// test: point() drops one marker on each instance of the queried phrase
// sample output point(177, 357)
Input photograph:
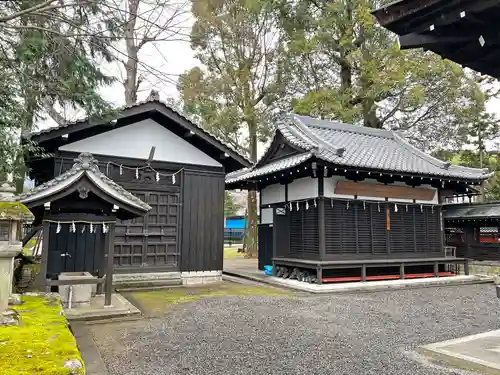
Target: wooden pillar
point(110, 242)
point(321, 216)
point(319, 274)
point(363, 272)
point(42, 277)
point(466, 267)
point(469, 239)
point(436, 269)
point(402, 271)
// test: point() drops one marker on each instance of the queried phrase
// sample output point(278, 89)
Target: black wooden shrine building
point(78, 211)
point(465, 32)
point(168, 162)
point(345, 200)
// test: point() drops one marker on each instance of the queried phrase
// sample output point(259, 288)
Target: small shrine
point(78, 212)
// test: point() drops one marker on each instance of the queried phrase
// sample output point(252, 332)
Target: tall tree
point(239, 80)
point(49, 49)
point(231, 207)
point(348, 68)
point(147, 25)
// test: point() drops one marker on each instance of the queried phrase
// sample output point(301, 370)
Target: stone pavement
point(479, 352)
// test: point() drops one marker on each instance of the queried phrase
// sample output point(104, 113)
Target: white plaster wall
point(135, 141)
point(266, 216)
point(272, 194)
point(303, 188)
point(331, 182)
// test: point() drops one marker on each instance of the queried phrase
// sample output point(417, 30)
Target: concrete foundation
point(488, 268)
point(78, 294)
point(156, 279)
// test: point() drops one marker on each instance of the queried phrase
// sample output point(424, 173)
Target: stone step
point(144, 284)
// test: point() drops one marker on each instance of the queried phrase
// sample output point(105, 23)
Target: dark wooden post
point(110, 242)
point(363, 272)
point(469, 239)
point(321, 216)
point(402, 271)
point(42, 277)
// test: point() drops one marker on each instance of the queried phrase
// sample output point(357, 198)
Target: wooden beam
point(42, 277)
point(428, 41)
point(110, 241)
point(383, 191)
point(321, 217)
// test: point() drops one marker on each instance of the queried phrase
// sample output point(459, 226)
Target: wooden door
point(150, 242)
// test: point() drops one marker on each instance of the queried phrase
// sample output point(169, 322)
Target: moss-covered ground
point(232, 252)
point(41, 344)
point(161, 300)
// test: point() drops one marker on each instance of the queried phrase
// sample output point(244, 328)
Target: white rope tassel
point(307, 205)
point(58, 228)
point(395, 207)
point(157, 177)
point(73, 227)
point(297, 206)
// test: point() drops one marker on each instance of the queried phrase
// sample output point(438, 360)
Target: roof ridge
point(339, 151)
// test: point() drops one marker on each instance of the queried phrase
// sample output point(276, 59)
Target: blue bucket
point(268, 270)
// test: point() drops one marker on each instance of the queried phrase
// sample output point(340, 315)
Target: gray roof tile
point(472, 211)
point(361, 147)
point(85, 163)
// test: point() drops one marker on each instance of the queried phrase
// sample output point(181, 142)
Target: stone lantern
point(11, 214)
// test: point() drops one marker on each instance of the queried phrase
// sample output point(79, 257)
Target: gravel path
point(372, 333)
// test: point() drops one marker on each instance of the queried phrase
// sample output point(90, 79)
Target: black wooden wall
point(358, 230)
point(202, 236)
point(199, 215)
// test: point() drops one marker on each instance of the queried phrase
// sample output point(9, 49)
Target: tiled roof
point(84, 164)
point(272, 167)
point(174, 109)
point(359, 147)
point(472, 211)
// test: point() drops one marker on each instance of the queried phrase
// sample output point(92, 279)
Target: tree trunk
point(130, 83)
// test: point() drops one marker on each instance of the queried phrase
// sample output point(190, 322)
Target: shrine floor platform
point(247, 269)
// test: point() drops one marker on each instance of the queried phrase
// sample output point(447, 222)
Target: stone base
point(9, 318)
point(486, 268)
point(15, 299)
point(80, 293)
point(201, 277)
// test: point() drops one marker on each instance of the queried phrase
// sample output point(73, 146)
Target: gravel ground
point(372, 333)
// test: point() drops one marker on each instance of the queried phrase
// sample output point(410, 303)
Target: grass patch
point(232, 252)
point(160, 300)
point(41, 344)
